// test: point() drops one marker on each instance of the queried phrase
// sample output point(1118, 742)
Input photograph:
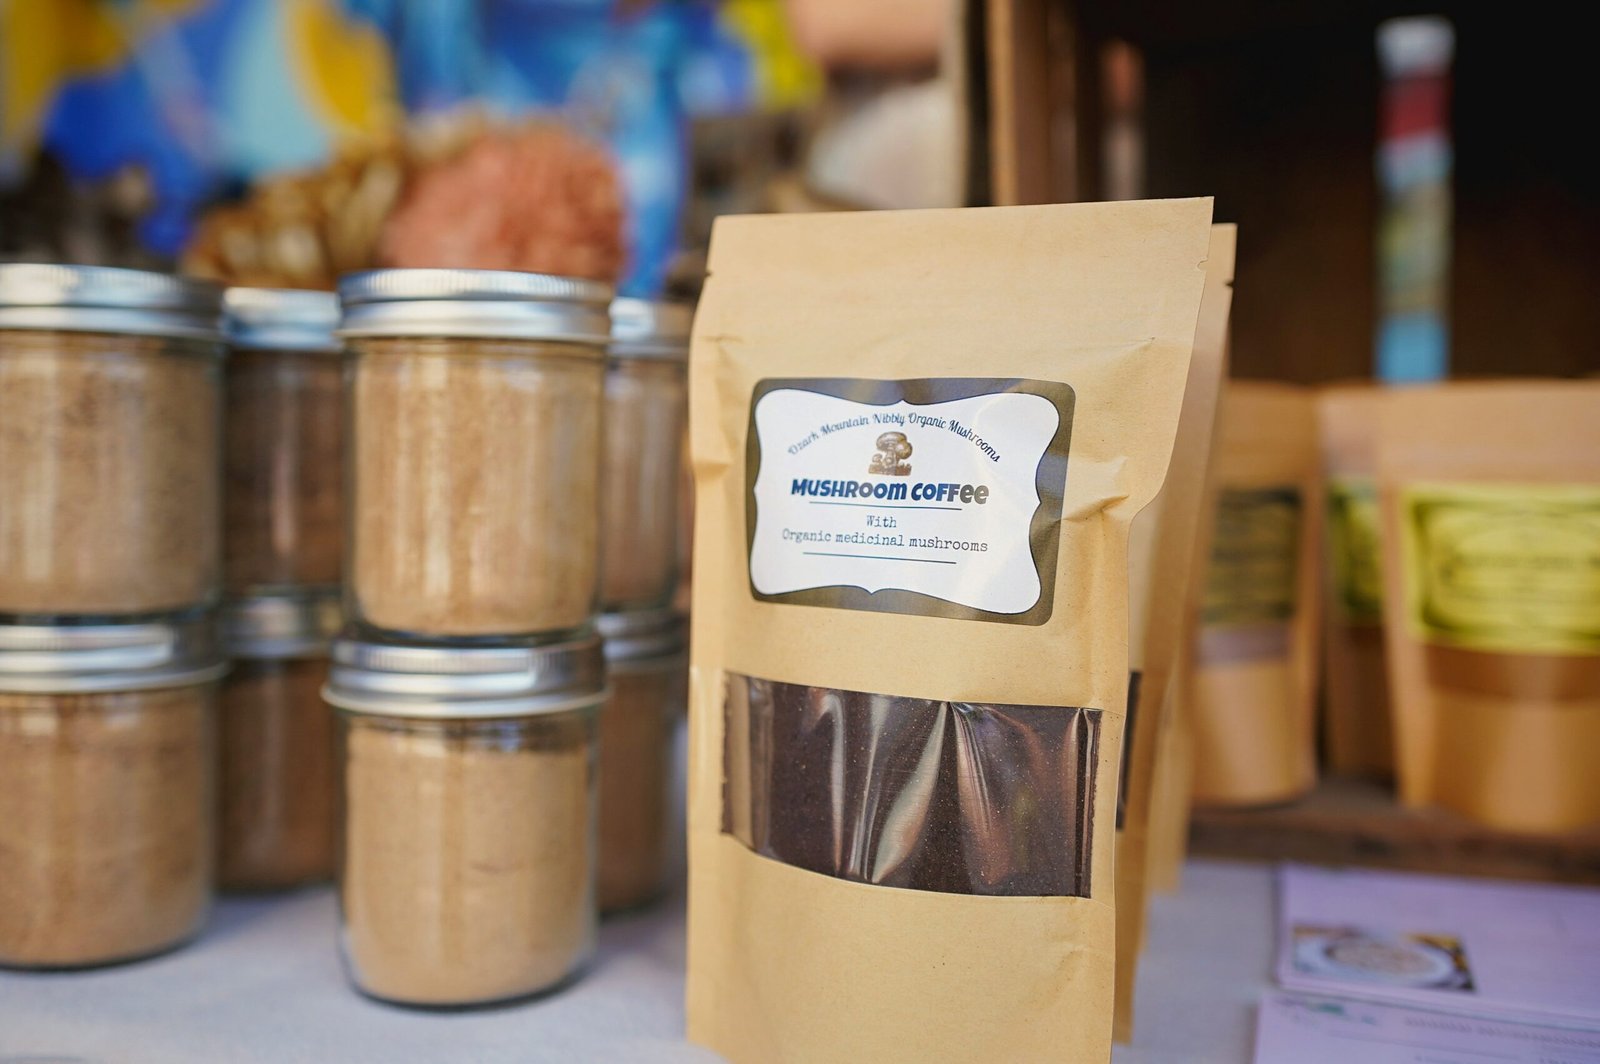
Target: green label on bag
point(1254, 560)
point(1353, 547)
point(1507, 568)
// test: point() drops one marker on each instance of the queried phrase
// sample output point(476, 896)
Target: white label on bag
point(865, 497)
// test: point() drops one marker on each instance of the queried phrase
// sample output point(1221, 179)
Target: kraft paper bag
point(1173, 791)
point(1490, 499)
point(919, 439)
point(1162, 558)
point(1356, 729)
point(1255, 676)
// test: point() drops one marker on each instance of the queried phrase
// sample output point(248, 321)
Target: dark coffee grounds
point(955, 797)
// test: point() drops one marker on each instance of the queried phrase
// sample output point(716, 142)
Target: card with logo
point(1518, 950)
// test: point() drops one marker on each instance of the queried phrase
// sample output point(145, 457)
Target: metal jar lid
point(643, 637)
point(406, 680)
point(136, 656)
point(281, 319)
point(475, 303)
point(107, 299)
point(644, 329)
point(290, 625)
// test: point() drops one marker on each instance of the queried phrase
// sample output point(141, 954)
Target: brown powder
point(277, 787)
point(645, 407)
point(109, 472)
point(476, 505)
point(636, 726)
point(283, 510)
point(955, 797)
point(105, 824)
point(468, 860)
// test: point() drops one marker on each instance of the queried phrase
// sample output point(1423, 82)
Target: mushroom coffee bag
point(1166, 546)
point(919, 439)
point(1490, 502)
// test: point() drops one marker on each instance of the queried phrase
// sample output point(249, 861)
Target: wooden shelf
point(1358, 822)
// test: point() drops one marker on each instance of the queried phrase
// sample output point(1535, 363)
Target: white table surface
point(264, 984)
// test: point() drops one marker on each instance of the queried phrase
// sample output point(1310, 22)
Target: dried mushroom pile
point(534, 197)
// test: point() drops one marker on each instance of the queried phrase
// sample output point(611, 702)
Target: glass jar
point(467, 867)
point(649, 686)
point(475, 401)
point(277, 784)
point(109, 460)
point(283, 503)
point(106, 763)
point(646, 407)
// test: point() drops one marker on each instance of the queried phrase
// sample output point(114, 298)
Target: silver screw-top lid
point(108, 299)
point(475, 303)
point(87, 658)
point(406, 680)
point(641, 328)
point(291, 625)
point(281, 319)
point(643, 637)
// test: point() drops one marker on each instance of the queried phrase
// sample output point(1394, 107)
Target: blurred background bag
point(1491, 511)
point(1255, 677)
point(1356, 730)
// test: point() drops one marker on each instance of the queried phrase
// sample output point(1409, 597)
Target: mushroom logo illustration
point(890, 461)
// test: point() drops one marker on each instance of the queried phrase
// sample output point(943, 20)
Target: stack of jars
point(471, 681)
point(282, 551)
point(646, 410)
point(110, 395)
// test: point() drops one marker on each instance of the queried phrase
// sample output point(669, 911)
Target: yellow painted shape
point(787, 77)
point(345, 65)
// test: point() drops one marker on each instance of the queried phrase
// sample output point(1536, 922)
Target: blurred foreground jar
point(283, 508)
point(648, 668)
point(109, 457)
point(277, 800)
point(106, 763)
point(646, 406)
point(475, 451)
point(467, 871)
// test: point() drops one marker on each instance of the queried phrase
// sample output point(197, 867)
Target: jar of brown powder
point(467, 871)
point(106, 761)
point(109, 459)
point(649, 679)
point(283, 503)
point(277, 800)
point(475, 399)
point(645, 411)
